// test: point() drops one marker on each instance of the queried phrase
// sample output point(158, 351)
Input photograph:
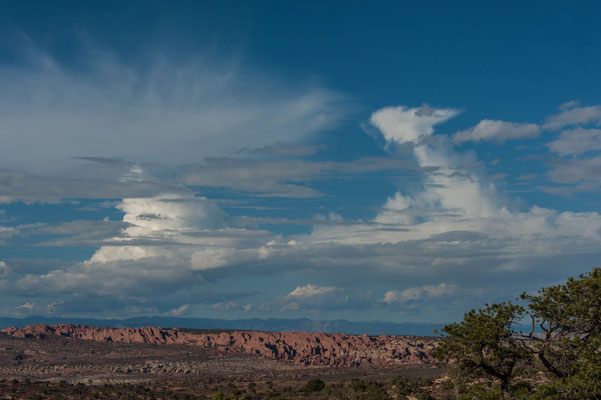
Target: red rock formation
point(299, 348)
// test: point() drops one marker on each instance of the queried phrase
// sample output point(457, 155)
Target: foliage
point(358, 385)
point(410, 386)
point(482, 346)
point(369, 389)
point(424, 396)
point(489, 359)
point(314, 385)
point(569, 316)
point(220, 396)
point(482, 392)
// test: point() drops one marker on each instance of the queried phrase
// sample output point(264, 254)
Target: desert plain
point(73, 361)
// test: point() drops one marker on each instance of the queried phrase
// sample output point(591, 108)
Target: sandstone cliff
point(299, 348)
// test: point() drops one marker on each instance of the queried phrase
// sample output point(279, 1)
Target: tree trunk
point(505, 390)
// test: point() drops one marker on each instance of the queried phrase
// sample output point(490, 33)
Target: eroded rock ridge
point(298, 348)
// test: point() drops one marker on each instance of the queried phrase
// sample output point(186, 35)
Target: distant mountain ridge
point(253, 324)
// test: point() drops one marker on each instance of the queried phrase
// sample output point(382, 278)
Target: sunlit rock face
point(299, 348)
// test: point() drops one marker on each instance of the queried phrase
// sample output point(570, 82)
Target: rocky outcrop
point(298, 348)
point(146, 334)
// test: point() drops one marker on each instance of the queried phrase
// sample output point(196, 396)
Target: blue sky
point(401, 161)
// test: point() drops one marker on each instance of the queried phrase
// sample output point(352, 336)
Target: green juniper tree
point(488, 354)
point(483, 345)
point(569, 317)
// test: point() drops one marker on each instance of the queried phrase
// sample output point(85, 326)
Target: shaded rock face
point(298, 348)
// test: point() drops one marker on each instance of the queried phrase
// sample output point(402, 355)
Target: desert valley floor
point(68, 361)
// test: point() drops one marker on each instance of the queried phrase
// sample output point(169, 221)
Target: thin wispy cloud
point(499, 131)
point(163, 111)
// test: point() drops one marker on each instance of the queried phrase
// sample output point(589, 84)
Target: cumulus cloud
point(53, 307)
point(5, 271)
point(457, 224)
point(418, 293)
point(168, 241)
point(403, 124)
point(452, 225)
point(319, 299)
point(310, 290)
point(572, 114)
point(580, 168)
point(170, 213)
point(573, 171)
point(7, 231)
point(498, 131)
point(179, 310)
point(576, 141)
point(179, 229)
point(471, 201)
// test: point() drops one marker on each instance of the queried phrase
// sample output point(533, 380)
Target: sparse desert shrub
point(410, 386)
point(424, 395)
point(314, 385)
point(358, 385)
point(406, 385)
point(482, 392)
point(376, 392)
point(221, 396)
point(369, 390)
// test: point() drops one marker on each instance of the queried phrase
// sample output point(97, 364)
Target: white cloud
point(102, 179)
point(19, 185)
point(576, 141)
point(402, 124)
point(568, 105)
point(179, 310)
point(227, 306)
point(27, 306)
point(418, 293)
point(7, 232)
point(169, 241)
point(456, 197)
point(170, 213)
point(455, 227)
point(279, 177)
point(51, 308)
point(580, 146)
point(279, 149)
point(5, 270)
point(572, 114)
point(163, 111)
point(456, 221)
point(317, 298)
point(310, 290)
point(575, 171)
point(499, 131)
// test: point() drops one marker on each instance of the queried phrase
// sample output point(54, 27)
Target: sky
point(397, 161)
